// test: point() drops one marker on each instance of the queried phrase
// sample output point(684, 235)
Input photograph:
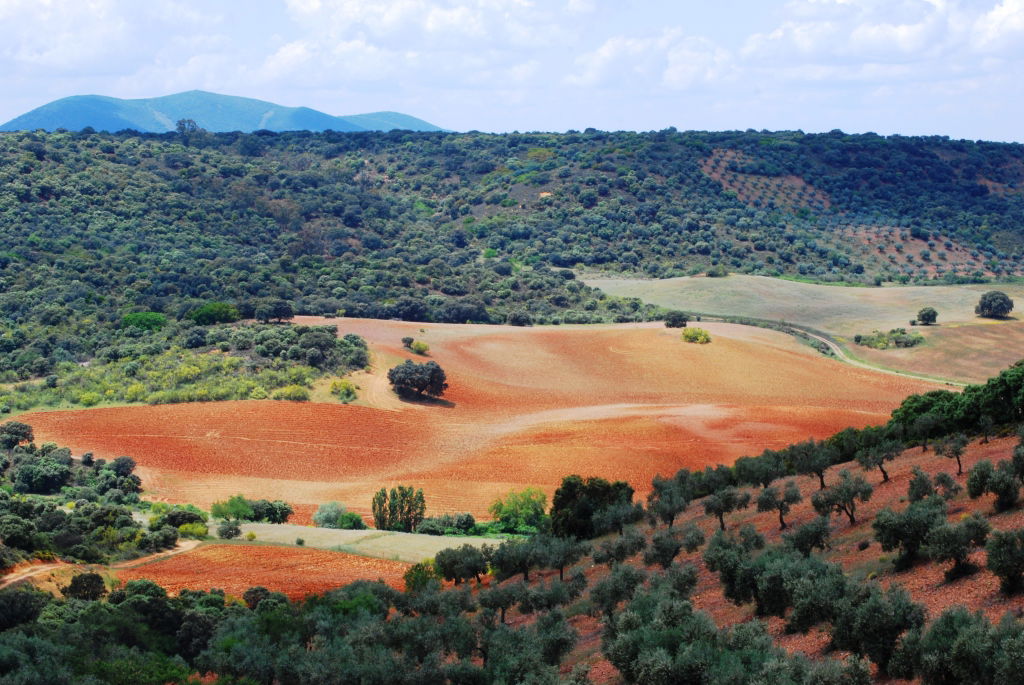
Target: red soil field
point(294, 571)
point(526, 406)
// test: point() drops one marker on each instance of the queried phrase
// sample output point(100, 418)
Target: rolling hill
point(211, 111)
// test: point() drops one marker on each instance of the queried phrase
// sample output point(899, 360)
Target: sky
point(914, 67)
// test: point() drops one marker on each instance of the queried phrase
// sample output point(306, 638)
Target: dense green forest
point(466, 227)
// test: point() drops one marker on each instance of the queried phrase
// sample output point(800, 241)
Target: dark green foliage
point(578, 505)
point(1002, 481)
point(215, 312)
point(952, 447)
point(558, 553)
point(240, 508)
point(334, 515)
point(771, 499)
point(760, 470)
point(461, 563)
point(14, 433)
point(665, 546)
point(422, 575)
point(994, 304)
point(961, 647)
point(812, 457)
point(876, 456)
point(668, 498)
point(447, 524)
point(842, 497)
point(675, 319)
point(401, 508)
point(21, 605)
point(620, 548)
point(615, 588)
point(949, 542)
point(908, 530)
point(692, 537)
point(725, 501)
point(410, 379)
point(516, 556)
point(502, 597)
point(228, 529)
point(87, 586)
point(810, 536)
point(921, 486)
point(1005, 550)
point(871, 621)
point(927, 316)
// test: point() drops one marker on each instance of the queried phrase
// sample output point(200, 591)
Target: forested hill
point(475, 227)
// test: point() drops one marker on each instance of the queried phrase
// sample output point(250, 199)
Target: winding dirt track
point(526, 406)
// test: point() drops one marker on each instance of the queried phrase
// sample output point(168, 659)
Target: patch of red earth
point(294, 571)
point(525, 408)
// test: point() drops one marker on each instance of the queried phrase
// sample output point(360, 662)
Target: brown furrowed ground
point(526, 407)
point(294, 571)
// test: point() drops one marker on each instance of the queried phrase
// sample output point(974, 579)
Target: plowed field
point(295, 571)
point(526, 406)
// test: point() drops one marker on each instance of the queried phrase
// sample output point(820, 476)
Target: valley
point(526, 407)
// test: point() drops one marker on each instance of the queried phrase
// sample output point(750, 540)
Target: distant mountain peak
point(212, 111)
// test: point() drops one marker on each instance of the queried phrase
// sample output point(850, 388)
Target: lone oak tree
point(417, 380)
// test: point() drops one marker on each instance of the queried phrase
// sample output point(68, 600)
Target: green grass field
point(962, 347)
point(409, 547)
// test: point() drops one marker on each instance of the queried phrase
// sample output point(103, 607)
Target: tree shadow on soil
point(428, 401)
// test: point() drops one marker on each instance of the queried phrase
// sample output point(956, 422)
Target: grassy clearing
point(408, 547)
point(963, 347)
point(834, 309)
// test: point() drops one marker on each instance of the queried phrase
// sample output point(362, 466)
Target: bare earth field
point(526, 407)
point(962, 347)
point(294, 571)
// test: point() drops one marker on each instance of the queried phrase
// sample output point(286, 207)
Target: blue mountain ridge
point(211, 111)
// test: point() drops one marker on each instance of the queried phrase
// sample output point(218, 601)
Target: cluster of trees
point(896, 337)
point(52, 505)
point(108, 233)
point(170, 363)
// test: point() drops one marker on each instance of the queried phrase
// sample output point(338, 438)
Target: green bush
point(147, 321)
point(292, 393)
point(696, 335)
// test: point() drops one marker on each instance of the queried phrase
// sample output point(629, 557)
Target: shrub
point(420, 576)
point(1005, 551)
point(908, 530)
point(228, 529)
point(199, 531)
point(292, 393)
point(696, 335)
point(419, 347)
point(521, 512)
point(948, 542)
point(344, 390)
point(250, 536)
point(85, 586)
point(334, 515)
point(675, 319)
point(1001, 481)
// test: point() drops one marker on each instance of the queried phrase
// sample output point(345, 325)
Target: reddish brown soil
point(295, 571)
point(525, 408)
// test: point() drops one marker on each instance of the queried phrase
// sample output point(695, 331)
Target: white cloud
point(671, 59)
